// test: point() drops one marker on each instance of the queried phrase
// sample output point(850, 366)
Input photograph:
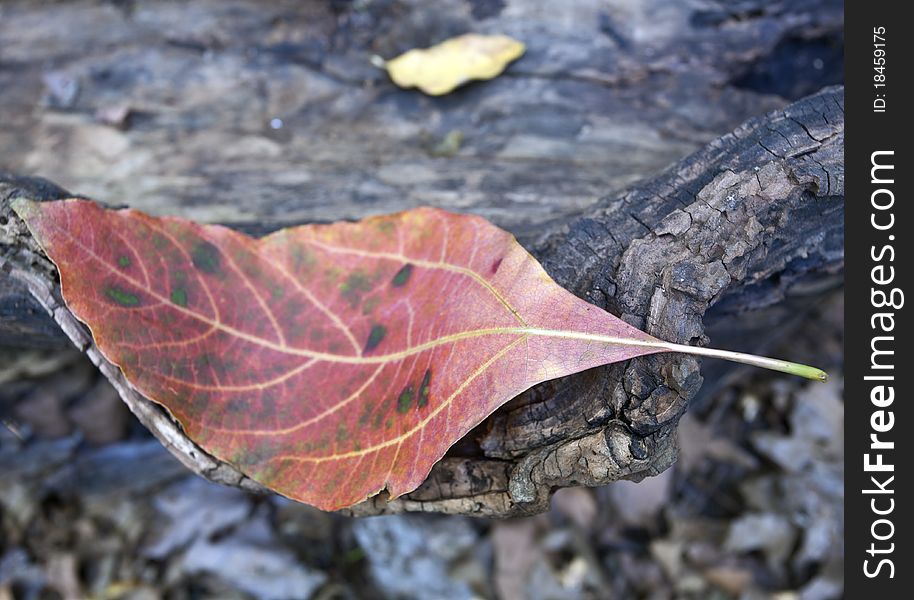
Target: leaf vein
point(420, 425)
point(268, 312)
point(427, 264)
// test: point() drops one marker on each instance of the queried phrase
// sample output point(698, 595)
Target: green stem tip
point(764, 362)
point(774, 364)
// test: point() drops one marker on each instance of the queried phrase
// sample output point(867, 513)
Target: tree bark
point(739, 238)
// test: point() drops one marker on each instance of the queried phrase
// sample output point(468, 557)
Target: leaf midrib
point(380, 358)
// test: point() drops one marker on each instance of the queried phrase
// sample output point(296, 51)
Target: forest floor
point(752, 509)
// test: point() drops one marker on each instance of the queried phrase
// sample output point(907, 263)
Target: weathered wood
point(172, 107)
point(752, 219)
point(169, 107)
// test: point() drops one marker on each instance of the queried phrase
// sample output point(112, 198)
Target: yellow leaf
point(440, 69)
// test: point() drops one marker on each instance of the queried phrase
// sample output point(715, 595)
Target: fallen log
point(739, 238)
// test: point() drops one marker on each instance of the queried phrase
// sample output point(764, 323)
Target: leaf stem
point(750, 359)
point(774, 364)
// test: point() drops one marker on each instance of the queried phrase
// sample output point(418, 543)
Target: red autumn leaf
point(326, 362)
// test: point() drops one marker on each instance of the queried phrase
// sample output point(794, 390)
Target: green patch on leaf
point(405, 400)
point(121, 297)
point(424, 389)
point(402, 275)
point(179, 296)
point(206, 257)
point(375, 337)
point(355, 286)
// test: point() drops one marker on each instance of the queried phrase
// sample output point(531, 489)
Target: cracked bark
point(731, 241)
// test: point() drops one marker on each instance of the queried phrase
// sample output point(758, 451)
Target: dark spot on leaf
point(402, 275)
point(121, 297)
point(374, 338)
point(365, 416)
point(355, 286)
point(179, 296)
point(424, 389)
point(357, 446)
point(206, 257)
point(405, 400)
point(495, 266)
point(389, 424)
point(316, 335)
point(236, 406)
point(378, 418)
point(123, 261)
point(341, 434)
